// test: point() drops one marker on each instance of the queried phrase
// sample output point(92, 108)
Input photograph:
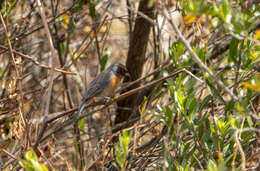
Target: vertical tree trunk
point(136, 57)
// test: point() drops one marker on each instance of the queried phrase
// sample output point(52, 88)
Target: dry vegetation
point(192, 103)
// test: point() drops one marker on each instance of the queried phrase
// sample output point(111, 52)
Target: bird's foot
point(107, 100)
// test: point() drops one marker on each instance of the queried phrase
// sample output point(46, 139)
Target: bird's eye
point(120, 70)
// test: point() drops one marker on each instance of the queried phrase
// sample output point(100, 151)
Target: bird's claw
point(107, 100)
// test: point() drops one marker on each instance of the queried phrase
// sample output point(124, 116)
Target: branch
point(51, 77)
point(122, 96)
point(18, 76)
point(197, 59)
point(243, 158)
point(37, 62)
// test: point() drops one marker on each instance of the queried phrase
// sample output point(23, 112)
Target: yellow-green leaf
point(257, 34)
point(65, 19)
point(255, 87)
point(143, 108)
point(188, 19)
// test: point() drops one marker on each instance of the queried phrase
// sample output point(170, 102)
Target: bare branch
point(196, 58)
point(51, 76)
point(37, 62)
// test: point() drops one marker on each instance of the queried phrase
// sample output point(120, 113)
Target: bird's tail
point(81, 107)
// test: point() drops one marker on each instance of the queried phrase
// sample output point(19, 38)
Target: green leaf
point(180, 97)
point(25, 164)
point(150, 3)
point(229, 107)
point(31, 163)
point(189, 86)
point(204, 103)
point(104, 59)
point(249, 121)
point(233, 50)
point(92, 10)
point(37, 166)
point(30, 155)
point(121, 150)
point(7, 7)
point(81, 124)
point(240, 107)
point(73, 158)
point(212, 166)
point(168, 115)
point(78, 5)
point(176, 51)
point(215, 93)
point(201, 130)
point(201, 52)
point(192, 102)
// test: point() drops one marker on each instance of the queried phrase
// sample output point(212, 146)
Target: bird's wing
point(97, 86)
point(80, 109)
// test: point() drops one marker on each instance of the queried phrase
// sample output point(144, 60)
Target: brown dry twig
point(196, 58)
point(122, 96)
point(52, 118)
point(133, 91)
point(37, 62)
point(18, 76)
point(51, 76)
point(237, 133)
point(9, 154)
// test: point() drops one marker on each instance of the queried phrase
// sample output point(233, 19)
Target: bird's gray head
point(120, 69)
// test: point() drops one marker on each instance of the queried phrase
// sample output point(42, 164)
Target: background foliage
point(182, 118)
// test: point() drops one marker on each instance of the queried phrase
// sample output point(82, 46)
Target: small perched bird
point(104, 85)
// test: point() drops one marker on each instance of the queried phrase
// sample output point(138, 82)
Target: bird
point(104, 85)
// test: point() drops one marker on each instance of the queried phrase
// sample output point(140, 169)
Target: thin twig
point(237, 147)
point(51, 76)
point(37, 62)
point(9, 154)
point(122, 96)
point(237, 133)
point(101, 102)
point(41, 26)
point(194, 76)
point(155, 71)
point(196, 58)
point(133, 91)
point(254, 113)
point(89, 43)
point(60, 56)
point(97, 43)
point(18, 77)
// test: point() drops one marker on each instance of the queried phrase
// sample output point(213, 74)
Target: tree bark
point(136, 58)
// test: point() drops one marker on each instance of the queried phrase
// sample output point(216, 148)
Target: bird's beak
point(127, 76)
